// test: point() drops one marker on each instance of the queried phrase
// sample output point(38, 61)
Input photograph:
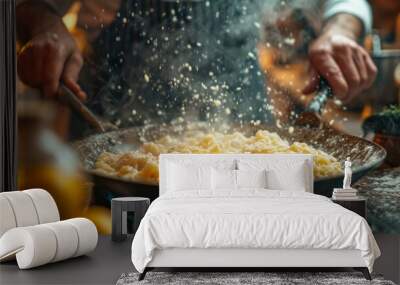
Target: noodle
point(142, 165)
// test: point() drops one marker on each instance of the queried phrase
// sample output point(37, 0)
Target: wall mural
point(107, 87)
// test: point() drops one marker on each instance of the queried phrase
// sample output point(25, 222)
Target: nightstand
point(357, 205)
point(120, 209)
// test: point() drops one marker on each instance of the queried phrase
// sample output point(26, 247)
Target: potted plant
point(386, 127)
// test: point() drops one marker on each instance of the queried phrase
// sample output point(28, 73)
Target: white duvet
point(250, 219)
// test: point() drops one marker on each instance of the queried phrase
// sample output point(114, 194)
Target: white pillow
point(251, 178)
point(224, 179)
point(282, 174)
point(188, 177)
point(294, 179)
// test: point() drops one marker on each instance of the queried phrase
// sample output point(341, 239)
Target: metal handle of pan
point(312, 114)
point(319, 101)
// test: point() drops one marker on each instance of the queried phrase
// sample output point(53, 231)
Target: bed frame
point(238, 259)
point(249, 259)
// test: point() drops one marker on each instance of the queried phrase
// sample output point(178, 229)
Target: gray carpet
point(232, 278)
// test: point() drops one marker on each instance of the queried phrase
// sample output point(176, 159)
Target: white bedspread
point(250, 219)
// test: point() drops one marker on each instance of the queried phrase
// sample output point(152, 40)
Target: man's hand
point(49, 56)
point(337, 57)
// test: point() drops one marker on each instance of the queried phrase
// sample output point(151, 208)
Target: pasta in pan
point(142, 165)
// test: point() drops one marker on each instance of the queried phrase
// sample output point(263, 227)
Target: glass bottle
point(44, 161)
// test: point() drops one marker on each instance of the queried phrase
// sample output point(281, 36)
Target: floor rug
point(244, 278)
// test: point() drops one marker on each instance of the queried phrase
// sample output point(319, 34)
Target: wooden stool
point(120, 207)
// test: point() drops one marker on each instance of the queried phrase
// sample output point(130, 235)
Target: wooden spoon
point(70, 98)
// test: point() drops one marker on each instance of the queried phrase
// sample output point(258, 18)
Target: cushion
point(189, 161)
point(45, 205)
point(251, 178)
point(67, 238)
point(223, 179)
point(23, 208)
point(26, 208)
point(7, 218)
point(40, 244)
point(293, 180)
point(188, 177)
point(87, 234)
point(32, 246)
point(282, 174)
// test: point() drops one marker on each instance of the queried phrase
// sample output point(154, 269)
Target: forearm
point(344, 24)
point(35, 17)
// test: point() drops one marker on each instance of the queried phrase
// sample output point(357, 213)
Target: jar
point(44, 161)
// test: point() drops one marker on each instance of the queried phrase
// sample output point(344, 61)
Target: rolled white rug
point(41, 244)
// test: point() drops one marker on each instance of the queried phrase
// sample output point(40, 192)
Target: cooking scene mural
point(106, 86)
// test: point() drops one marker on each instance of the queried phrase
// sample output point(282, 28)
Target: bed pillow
point(188, 177)
point(251, 179)
point(294, 179)
point(223, 179)
point(282, 174)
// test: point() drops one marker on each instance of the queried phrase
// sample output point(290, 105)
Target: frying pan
point(364, 154)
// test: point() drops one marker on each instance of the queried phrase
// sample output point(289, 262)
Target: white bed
point(249, 227)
